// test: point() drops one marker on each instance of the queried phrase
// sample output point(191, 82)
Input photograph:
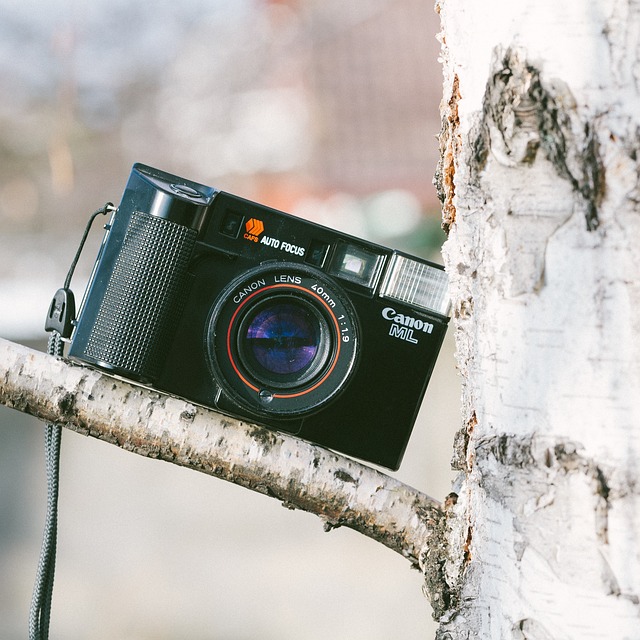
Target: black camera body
point(263, 316)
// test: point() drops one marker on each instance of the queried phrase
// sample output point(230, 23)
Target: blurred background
point(321, 108)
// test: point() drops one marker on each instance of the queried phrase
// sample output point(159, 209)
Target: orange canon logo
point(254, 227)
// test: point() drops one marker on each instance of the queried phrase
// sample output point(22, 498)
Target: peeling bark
point(339, 490)
point(444, 179)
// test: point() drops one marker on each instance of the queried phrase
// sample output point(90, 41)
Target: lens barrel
point(282, 340)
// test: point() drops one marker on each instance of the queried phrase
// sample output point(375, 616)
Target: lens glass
point(283, 338)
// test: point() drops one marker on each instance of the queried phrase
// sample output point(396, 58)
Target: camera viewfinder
point(356, 264)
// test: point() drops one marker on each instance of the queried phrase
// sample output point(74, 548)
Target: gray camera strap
point(60, 324)
point(43, 588)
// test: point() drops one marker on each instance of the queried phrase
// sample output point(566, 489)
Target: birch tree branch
point(340, 491)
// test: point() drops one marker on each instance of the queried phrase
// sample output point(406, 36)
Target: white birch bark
point(540, 187)
point(341, 491)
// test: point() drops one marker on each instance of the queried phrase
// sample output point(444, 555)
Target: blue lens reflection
point(283, 338)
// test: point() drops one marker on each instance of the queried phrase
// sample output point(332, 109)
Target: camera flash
point(417, 284)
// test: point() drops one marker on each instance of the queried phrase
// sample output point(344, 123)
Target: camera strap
point(59, 322)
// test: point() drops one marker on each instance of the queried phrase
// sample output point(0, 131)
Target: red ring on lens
point(283, 286)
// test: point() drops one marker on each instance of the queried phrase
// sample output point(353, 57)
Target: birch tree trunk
point(540, 190)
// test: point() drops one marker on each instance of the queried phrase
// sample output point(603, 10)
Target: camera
point(263, 316)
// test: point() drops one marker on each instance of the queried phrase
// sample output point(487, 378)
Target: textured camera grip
point(144, 297)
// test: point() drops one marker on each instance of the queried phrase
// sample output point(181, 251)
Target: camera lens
point(283, 338)
point(283, 341)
